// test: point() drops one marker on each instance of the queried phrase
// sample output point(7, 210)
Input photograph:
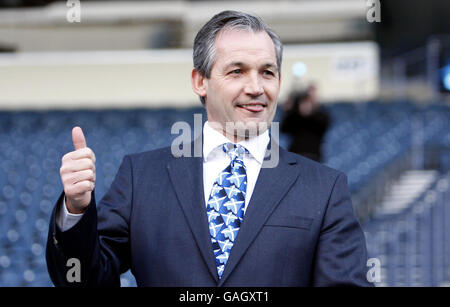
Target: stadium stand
point(413, 243)
point(364, 139)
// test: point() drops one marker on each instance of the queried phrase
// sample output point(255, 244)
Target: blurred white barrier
point(155, 78)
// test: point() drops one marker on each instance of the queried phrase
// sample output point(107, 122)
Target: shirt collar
point(256, 146)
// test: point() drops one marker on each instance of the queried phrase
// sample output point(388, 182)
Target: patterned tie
point(225, 205)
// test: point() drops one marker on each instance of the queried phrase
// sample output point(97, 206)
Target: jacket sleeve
point(341, 255)
point(99, 242)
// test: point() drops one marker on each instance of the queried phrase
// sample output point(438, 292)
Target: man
point(223, 219)
point(307, 123)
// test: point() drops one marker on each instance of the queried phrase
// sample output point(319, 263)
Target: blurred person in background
point(222, 218)
point(306, 121)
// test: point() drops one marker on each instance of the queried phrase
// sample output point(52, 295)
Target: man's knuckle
point(65, 177)
point(86, 186)
point(68, 190)
point(91, 165)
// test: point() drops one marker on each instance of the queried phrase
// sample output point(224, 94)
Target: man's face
point(244, 83)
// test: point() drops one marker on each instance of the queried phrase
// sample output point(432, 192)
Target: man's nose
point(253, 86)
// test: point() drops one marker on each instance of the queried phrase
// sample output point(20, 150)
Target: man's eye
point(236, 71)
point(268, 72)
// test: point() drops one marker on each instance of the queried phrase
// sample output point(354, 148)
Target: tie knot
point(234, 151)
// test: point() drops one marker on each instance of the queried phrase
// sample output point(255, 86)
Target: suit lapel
point(271, 186)
point(186, 174)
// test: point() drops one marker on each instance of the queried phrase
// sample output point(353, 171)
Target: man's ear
point(199, 83)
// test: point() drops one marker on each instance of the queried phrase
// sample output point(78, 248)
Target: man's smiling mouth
point(252, 106)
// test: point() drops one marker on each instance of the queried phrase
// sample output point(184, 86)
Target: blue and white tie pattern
point(226, 204)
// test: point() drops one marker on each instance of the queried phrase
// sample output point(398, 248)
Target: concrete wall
point(122, 79)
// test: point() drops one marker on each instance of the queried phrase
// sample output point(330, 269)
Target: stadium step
point(411, 185)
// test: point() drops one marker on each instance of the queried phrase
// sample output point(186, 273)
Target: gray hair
point(204, 51)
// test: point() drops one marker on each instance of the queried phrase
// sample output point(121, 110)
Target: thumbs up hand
point(78, 173)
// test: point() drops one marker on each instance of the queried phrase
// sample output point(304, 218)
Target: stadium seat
point(362, 141)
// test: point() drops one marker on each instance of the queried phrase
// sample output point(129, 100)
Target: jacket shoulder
point(151, 156)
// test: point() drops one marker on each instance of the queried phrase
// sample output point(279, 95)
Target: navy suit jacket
point(299, 229)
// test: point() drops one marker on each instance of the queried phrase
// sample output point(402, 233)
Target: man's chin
point(246, 129)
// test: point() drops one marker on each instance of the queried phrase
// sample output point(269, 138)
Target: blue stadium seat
point(363, 140)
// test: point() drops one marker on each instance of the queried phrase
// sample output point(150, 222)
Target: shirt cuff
point(66, 220)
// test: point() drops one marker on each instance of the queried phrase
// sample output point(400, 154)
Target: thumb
point(78, 138)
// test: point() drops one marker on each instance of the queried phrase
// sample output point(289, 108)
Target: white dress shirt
point(215, 160)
